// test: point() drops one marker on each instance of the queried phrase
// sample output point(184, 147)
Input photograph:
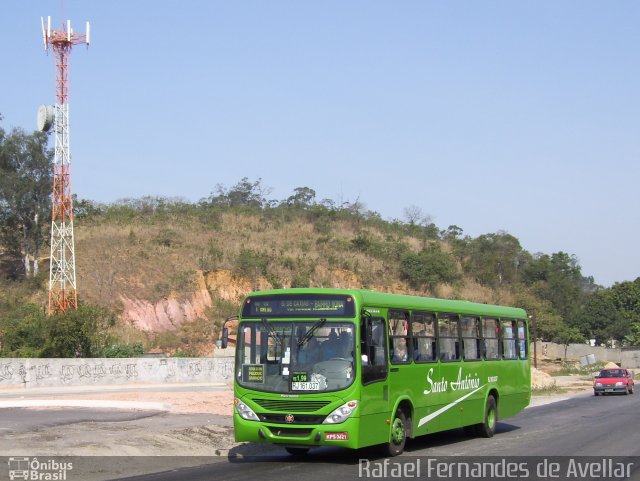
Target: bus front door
point(374, 399)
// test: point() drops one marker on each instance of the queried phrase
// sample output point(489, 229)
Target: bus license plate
point(336, 436)
point(305, 386)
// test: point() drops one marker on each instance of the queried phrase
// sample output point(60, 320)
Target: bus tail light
point(342, 413)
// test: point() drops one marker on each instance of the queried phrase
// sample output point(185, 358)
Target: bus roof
point(382, 299)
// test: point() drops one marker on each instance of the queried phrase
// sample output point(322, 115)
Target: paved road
point(581, 426)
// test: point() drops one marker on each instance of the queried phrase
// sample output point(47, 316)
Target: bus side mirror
point(225, 338)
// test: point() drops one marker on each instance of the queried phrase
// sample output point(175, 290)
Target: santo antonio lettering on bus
point(459, 384)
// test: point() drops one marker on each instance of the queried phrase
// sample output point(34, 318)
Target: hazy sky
point(492, 115)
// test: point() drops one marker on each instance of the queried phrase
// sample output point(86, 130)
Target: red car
point(613, 380)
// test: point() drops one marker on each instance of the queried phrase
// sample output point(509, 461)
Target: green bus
point(355, 368)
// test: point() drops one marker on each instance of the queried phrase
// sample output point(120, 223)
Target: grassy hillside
point(160, 255)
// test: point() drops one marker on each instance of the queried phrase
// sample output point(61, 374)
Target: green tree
point(23, 331)
point(302, 197)
point(244, 194)
point(599, 318)
point(547, 321)
point(494, 259)
point(452, 233)
point(82, 332)
point(611, 314)
point(633, 338)
point(428, 268)
point(25, 188)
point(558, 279)
point(626, 297)
point(568, 335)
point(251, 264)
point(86, 208)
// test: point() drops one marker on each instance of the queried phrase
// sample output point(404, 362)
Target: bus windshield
point(295, 356)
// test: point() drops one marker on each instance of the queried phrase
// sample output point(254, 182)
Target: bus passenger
point(400, 350)
point(422, 349)
point(330, 347)
point(345, 348)
point(310, 353)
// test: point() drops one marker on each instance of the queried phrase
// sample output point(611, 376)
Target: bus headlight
point(244, 411)
point(342, 413)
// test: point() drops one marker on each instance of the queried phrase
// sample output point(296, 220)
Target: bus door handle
point(395, 369)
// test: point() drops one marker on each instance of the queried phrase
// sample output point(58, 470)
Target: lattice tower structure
point(63, 293)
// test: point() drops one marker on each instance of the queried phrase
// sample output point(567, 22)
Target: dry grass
point(152, 258)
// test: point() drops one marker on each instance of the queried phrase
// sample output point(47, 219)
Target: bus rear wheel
point(398, 434)
point(487, 428)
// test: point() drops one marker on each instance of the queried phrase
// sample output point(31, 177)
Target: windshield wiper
point(309, 334)
point(272, 331)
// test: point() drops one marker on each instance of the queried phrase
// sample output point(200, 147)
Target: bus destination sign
point(313, 305)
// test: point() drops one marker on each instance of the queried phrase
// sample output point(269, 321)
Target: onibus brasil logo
point(35, 470)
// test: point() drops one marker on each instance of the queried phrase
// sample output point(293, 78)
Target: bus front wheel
point(398, 434)
point(487, 428)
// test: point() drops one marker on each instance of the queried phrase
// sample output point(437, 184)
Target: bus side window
point(490, 336)
point(423, 327)
point(509, 339)
point(448, 340)
point(522, 340)
point(399, 344)
point(471, 337)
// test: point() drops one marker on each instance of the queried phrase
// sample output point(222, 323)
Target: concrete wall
point(627, 357)
point(31, 373)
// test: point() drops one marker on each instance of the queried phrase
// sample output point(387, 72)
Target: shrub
point(76, 333)
point(428, 268)
point(251, 263)
point(167, 238)
point(123, 350)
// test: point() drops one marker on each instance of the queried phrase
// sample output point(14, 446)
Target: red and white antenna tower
point(63, 293)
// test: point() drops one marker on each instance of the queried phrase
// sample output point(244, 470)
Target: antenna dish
point(88, 34)
point(45, 118)
point(69, 30)
point(49, 27)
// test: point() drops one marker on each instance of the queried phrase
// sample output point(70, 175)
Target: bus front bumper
point(343, 435)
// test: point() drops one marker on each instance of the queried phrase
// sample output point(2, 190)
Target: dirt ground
point(192, 402)
point(198, 423)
